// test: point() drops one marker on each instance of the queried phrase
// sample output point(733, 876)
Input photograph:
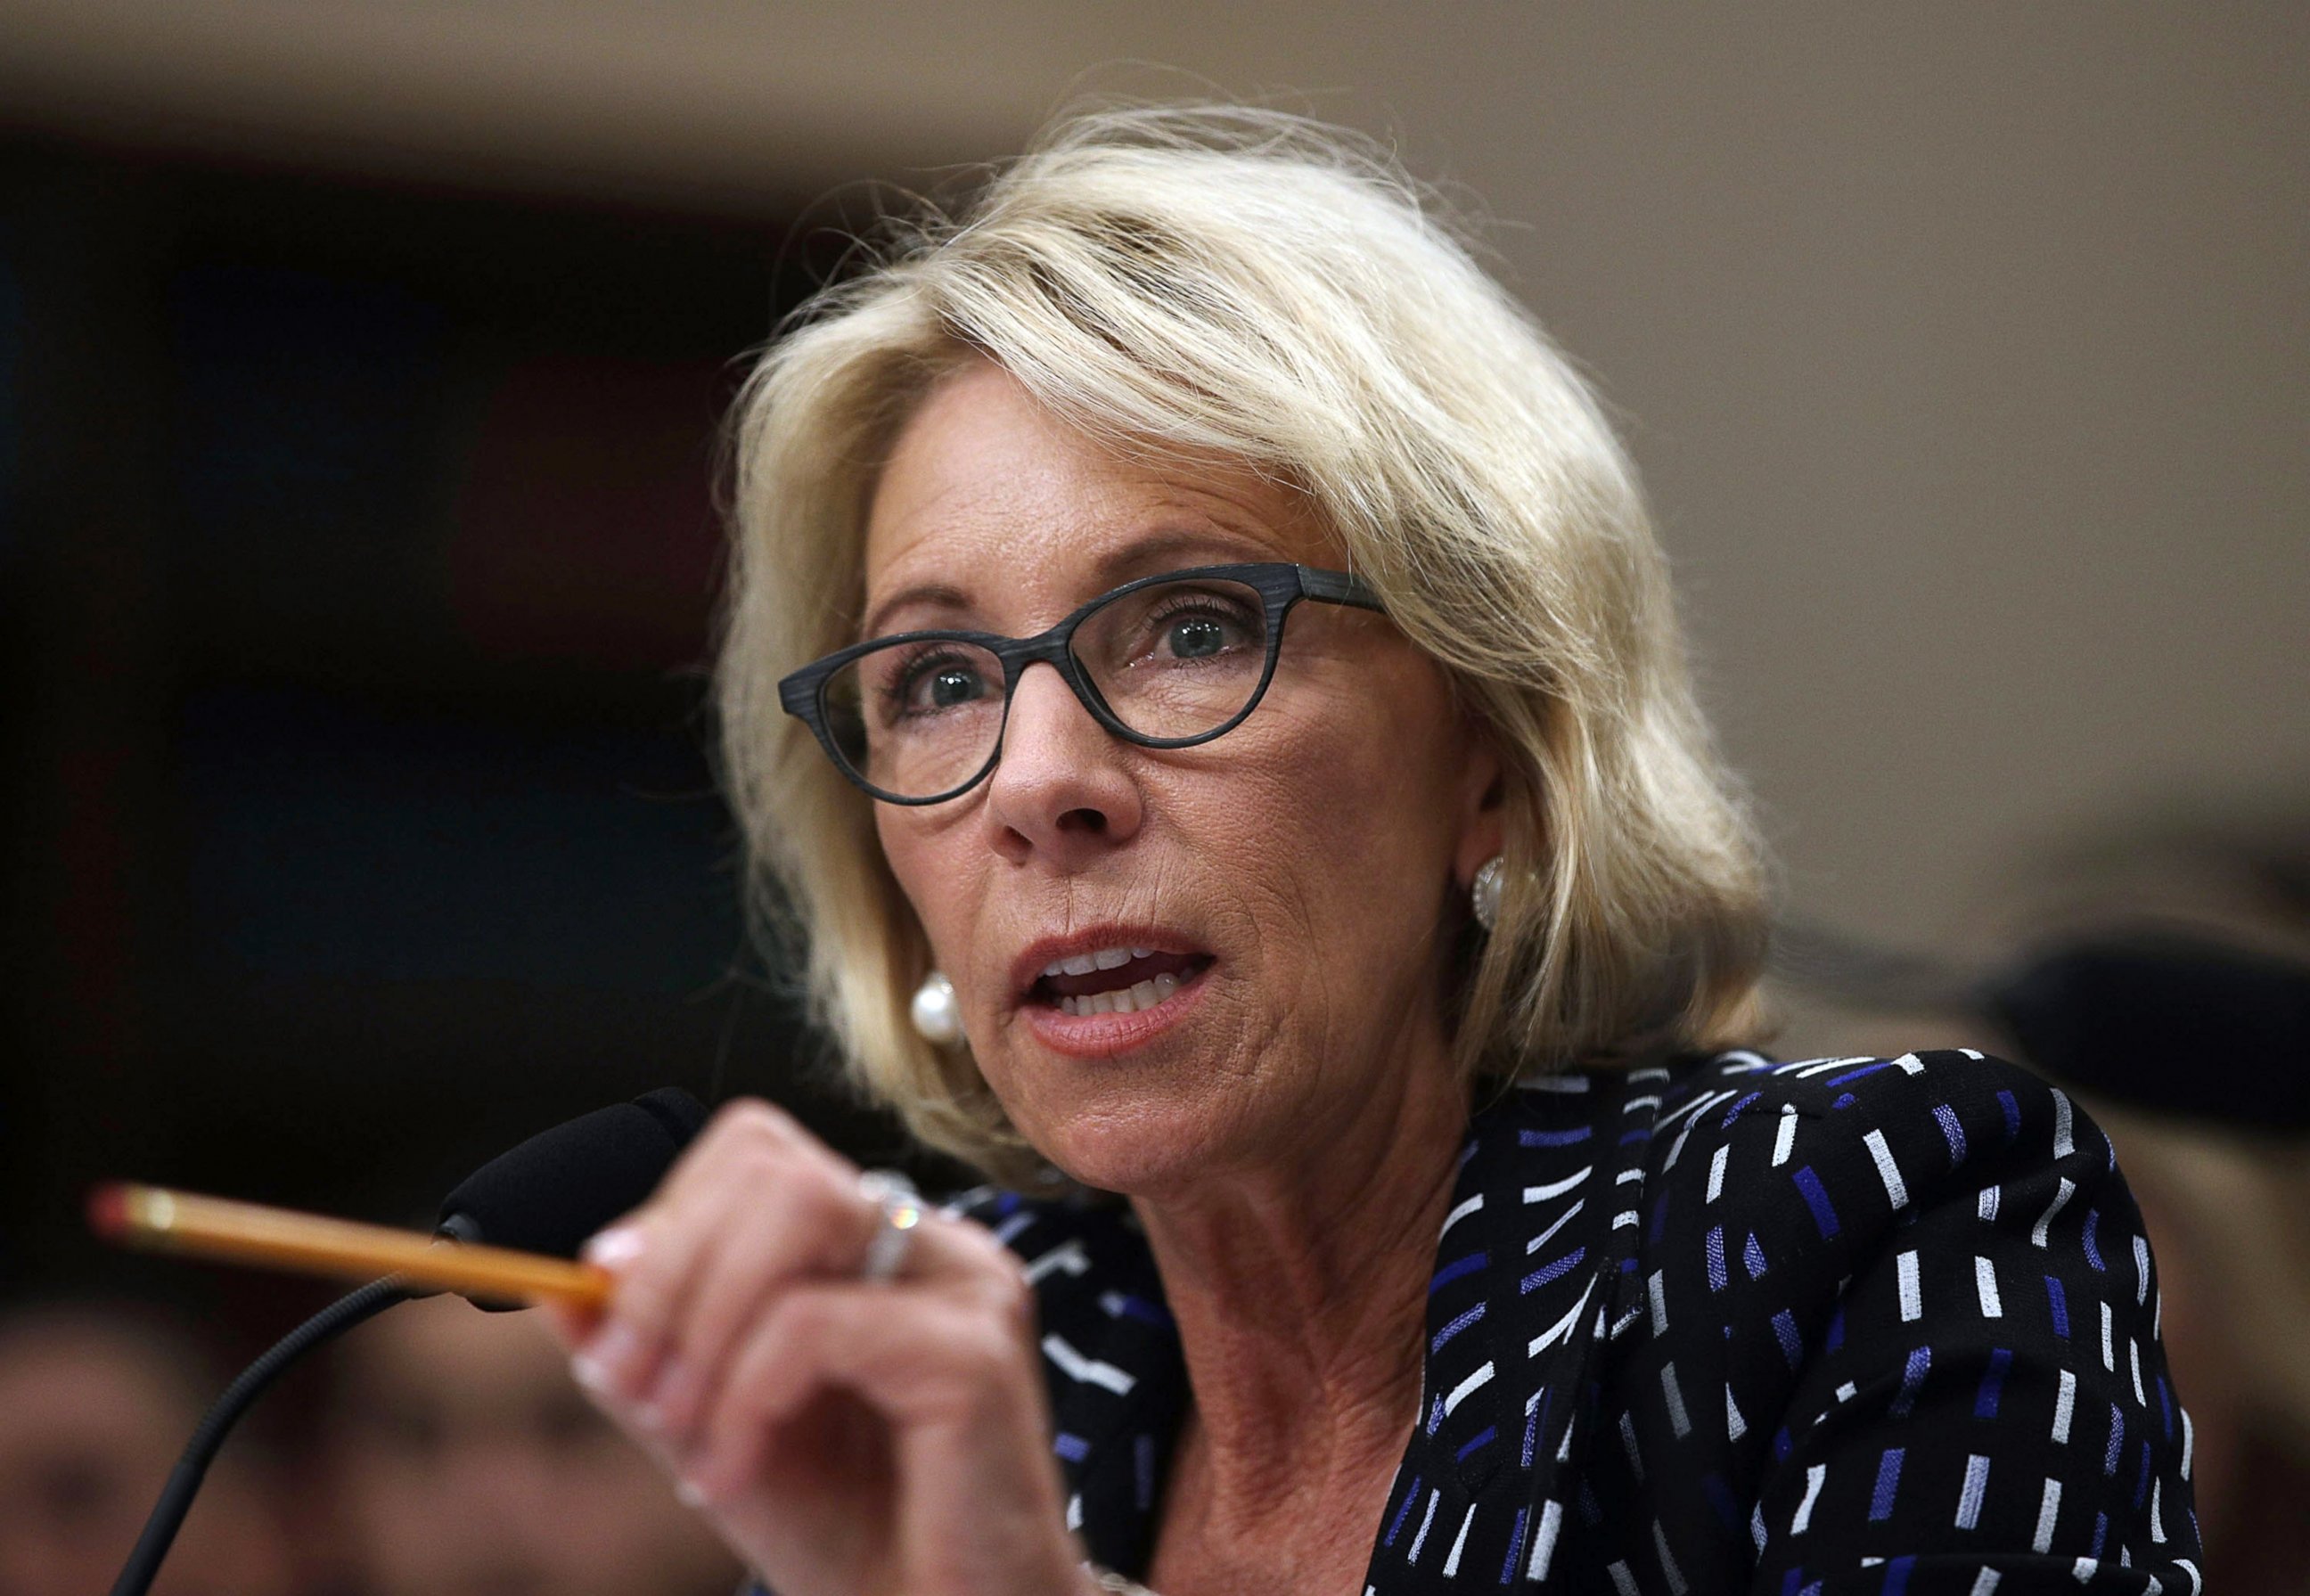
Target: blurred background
point(360, 372)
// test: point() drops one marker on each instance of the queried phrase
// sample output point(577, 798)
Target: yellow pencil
point(162, 1221)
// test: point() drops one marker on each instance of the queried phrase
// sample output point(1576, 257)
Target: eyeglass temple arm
point(1337, 587)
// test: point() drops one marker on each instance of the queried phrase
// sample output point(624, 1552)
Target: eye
point(938, 682)
point(1199, 626)
point(1196, 636)
point(1174, 631)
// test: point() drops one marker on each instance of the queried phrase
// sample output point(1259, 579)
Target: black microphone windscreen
point(2174, 1023)
point(561, 1185)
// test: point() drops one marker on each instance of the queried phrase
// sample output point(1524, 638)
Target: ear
point(1482, 806)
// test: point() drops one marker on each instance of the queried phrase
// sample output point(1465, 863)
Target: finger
point(762, 1245)
point(920, 1357)
point(758, 1203)
point(570, 1323)
point(657, 1251)
point(950, 1247)
point(757, 1200)
point(820, 1216)
point(628, 1416)
point(742, 1120)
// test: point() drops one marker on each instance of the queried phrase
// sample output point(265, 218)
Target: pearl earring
point(1484, 895)
point(937, 1012)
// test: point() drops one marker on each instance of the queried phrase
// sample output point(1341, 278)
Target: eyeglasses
point(1165, 662)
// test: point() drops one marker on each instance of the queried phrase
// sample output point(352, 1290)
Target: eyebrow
point(938, 594)
point(1142, 557)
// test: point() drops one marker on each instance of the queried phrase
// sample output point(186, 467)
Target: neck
point(1300, 1292)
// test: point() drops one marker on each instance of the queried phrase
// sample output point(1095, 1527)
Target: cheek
point(1370, 783)
point(1348, 821)
point(932, 865)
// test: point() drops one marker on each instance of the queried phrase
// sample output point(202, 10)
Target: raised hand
point(845, 1435)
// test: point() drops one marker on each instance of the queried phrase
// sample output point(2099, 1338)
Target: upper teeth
point(1105, 959)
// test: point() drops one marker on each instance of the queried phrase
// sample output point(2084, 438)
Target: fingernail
point(615, 1247)
point(607, 1356)
point(669, 1397)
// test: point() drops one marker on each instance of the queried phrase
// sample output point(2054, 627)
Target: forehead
point(989, 497)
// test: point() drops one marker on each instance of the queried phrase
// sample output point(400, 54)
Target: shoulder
point(1949, 1109)
point(1815, 1168)
point(1854, 1144)
point(1740, 1083)
point(1901, 1273)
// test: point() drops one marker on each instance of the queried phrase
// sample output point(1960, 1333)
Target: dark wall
point(357, 561)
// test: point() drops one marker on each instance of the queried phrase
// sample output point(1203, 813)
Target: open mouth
point(1115, 980)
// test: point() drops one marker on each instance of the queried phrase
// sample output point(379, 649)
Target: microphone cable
point(546, 1195)
point(168, 1515)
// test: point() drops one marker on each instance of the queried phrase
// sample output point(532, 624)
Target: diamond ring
point(902, 1212)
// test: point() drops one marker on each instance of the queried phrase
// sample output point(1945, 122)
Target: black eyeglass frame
point(1280, 586)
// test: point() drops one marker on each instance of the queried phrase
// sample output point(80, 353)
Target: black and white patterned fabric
point(1842, 1325)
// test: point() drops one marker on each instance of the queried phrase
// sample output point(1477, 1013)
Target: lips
point(1107, 972)
point(1118, 981)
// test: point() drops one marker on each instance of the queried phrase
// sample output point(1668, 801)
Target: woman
point(1427, 913)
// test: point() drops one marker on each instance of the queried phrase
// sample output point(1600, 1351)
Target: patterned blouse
point(1881, 1325)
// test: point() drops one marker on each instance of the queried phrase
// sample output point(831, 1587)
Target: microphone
point(2167, 1020)
point(561, 1185)
point(547, 1195)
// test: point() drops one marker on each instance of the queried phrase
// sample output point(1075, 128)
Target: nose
point(1063, 788)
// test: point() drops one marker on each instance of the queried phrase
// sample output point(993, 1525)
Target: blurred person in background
point(95, 1403)
point(2163, 973)
point(466, 1465)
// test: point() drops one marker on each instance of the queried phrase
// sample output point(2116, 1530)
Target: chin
point(1154, 1115)
point(1137, 1150)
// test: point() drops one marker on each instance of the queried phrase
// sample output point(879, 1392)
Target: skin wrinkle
point(1289, 1143)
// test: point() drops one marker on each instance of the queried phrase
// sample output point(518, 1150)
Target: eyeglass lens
point(1172, 660)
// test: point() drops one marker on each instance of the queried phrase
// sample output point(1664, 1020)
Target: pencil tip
point(108, 1210)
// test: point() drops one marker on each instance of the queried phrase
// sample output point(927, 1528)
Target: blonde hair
point(1203, 280)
